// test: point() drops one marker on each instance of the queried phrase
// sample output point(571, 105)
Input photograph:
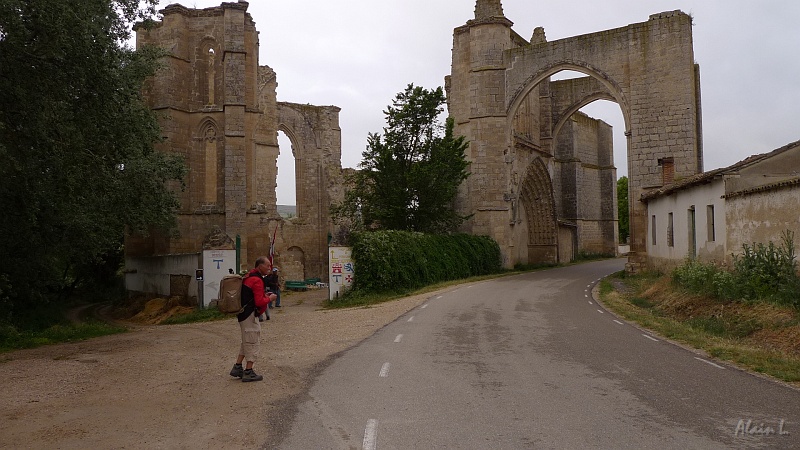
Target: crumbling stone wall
point(502, 99)
point(218, 109)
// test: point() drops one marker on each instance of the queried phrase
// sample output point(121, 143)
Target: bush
point(399, 261)
point(696, 277)
point(761, 273)
point(769, 272)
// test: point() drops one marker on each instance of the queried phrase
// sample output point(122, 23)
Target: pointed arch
point(208, 68)
point(210, 151)
point(612, 92)
point(536, 195)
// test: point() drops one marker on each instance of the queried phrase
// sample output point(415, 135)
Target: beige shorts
point(251, 337)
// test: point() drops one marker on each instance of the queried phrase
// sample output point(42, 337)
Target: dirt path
point(168, 386)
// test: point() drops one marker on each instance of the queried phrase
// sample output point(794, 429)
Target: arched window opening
point(211, 75)
point(286, 189)
point(567, 75)
point(610, 113)
point(210, 153)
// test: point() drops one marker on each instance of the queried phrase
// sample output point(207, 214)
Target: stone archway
point(536, 197)
point(218, 108)
point(501, 98)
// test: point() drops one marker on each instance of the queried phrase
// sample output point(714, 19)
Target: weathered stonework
point(218, 109)
point(543, 182)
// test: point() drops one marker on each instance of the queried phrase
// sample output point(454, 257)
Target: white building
point(710, 216)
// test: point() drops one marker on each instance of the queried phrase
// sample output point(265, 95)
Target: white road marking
point(651, 338)
point(411, 319)
point(371, 435)
point(424, 306)
point(385, 370)
point(437, 298)
point(709, 363)
point(591, 303)
point(600, 311)
point(398, 338)
point(617, 321)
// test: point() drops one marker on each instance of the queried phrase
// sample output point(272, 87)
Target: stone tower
point(543, 179)
point(218, 109)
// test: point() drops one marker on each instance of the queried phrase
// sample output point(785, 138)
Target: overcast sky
point(358, 54)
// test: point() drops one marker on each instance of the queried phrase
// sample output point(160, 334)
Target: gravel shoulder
point(168, 386)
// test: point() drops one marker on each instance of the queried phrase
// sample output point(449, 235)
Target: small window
point(653, 230)
point(712, 232)
point(670, 231)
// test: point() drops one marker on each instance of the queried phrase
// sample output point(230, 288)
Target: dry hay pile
point(158, 310)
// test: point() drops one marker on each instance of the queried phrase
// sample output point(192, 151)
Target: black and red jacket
point(253, 298)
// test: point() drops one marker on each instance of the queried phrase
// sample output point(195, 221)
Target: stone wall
point(218, 109)
point(762, 217)
point(499, 81)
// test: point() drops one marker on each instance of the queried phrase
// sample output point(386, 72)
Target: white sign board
point(341, 271)
point(216, 264)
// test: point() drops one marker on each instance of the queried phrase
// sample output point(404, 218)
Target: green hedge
point(398, 261)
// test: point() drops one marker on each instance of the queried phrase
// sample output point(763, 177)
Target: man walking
point(274, 286)
point(254, 302)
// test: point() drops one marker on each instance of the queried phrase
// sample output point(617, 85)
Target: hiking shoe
point(237, 371)
point(250, 375)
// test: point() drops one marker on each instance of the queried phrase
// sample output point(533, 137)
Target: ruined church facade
point(543, 177)
point(218, 109)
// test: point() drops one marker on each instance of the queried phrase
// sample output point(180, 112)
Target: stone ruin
point(543, 181)
point(218, 108)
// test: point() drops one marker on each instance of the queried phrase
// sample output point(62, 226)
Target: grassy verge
point(10, 339)
point(757, 337)
point(198, 315)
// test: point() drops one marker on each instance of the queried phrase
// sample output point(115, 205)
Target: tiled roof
point(766, 187)
point(707, 177)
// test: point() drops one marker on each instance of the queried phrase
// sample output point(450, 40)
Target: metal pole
point(238, 253)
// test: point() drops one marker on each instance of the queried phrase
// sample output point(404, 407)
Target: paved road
point(532, 361)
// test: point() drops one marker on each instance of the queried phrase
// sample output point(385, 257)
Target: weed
point(642, 302)
point(55, 334)
point(198, 315)
point(758, 336)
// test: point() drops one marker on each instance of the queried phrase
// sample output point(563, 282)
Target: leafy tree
point(76, 144)
point(410, 176)
point(622, 206)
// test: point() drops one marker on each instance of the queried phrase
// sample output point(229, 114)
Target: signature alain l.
point(749, 428)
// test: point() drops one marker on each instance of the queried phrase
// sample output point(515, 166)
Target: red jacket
point(255, 284)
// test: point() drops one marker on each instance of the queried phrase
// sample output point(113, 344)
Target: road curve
point(533, 361)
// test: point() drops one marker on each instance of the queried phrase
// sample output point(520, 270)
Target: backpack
point(230, 294)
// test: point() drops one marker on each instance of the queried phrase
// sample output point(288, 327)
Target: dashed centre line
point(385, 370)
point(411, 319)
point(424, 306)
point(370, 435)
point(651, 338)
point(398, 338)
